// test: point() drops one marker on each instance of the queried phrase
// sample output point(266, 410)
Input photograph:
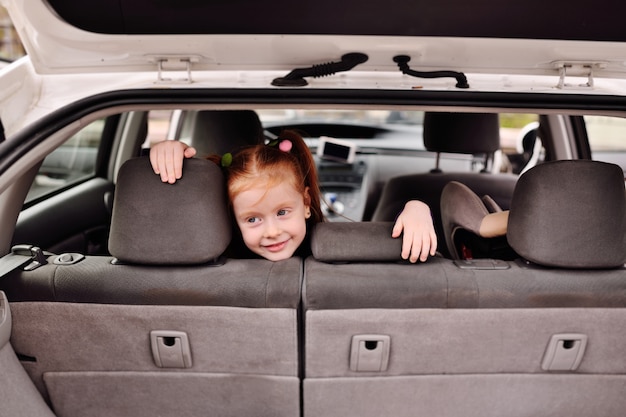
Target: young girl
point(275, 198)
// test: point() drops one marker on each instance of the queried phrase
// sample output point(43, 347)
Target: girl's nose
point(271, 228)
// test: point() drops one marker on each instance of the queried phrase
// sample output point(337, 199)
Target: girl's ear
point(307, 202)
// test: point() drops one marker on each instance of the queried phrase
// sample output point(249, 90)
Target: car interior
point(125, 301)
point(122, 296)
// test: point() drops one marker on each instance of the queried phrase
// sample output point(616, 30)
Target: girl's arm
point(415, 223)
point(167, 159)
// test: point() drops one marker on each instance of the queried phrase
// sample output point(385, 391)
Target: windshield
point(367, 129)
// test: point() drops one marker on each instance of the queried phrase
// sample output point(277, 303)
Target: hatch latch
point(577, 69)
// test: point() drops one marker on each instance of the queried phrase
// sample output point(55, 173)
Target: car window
point(159, 124)
point(519, 142)
point(606, 139)
point(75, 160)
point(70, 163)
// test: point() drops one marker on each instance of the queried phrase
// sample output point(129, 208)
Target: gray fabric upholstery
point(471, 133)
point(254, 283)
point(475, 395)
point(18, 395)
point(440, 283)
point(149, 394)
point(530, 286)
point(383, 285)
point(157, 223)
point(427, 187)
point(570, 214)
point(354, 241)
point(81, 341)
point(221, 131)
point(490, 359)
point(428, 341)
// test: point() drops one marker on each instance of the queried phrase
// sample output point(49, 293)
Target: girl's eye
point(281, 212)
point(252, 220)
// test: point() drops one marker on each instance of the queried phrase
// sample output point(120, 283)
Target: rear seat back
point(169, 325)
point(384, 337)
point(357, 265)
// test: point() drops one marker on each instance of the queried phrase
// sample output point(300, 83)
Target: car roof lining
point(532, 19)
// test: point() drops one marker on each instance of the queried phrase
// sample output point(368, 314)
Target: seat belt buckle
point(36, 254)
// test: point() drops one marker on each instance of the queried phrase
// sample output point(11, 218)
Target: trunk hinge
point(174, 69)
point(577, 69)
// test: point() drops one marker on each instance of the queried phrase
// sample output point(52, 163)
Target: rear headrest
point(354, 242)
point(570, 214)
point(221, 131)
point(470, 133)
point(169, 224)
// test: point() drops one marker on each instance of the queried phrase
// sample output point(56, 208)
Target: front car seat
point(465, 133)
point(220, 131)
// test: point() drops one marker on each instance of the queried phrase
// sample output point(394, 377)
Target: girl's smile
point(277, 247)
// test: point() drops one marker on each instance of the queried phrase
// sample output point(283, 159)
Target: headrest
point(470, 133)
point(570, 214)
point(169, 224)
point(355, 241)
point(221, 131)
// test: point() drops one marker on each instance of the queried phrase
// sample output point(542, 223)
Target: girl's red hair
point(268, 165)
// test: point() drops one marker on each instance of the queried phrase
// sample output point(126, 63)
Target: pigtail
point(301, 152)
point(216, 159)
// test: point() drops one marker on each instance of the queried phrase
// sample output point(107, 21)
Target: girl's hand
point(167, 159)
point(416, 224)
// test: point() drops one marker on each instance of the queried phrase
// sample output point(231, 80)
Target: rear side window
point(607, 139)
point(72, 162)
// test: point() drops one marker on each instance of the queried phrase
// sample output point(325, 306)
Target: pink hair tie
point(285, 145)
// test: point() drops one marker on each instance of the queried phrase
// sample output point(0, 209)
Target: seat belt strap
point(27, 256)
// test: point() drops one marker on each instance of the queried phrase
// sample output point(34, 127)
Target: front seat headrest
point(221, 131)
point(169, 224)
point(468, 133)
point(570, 214)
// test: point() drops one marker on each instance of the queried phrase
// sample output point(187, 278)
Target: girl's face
point(272, 220)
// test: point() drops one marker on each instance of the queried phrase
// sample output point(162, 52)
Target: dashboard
point(344, 189)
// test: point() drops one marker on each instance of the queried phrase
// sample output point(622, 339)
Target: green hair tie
point(227, 159)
